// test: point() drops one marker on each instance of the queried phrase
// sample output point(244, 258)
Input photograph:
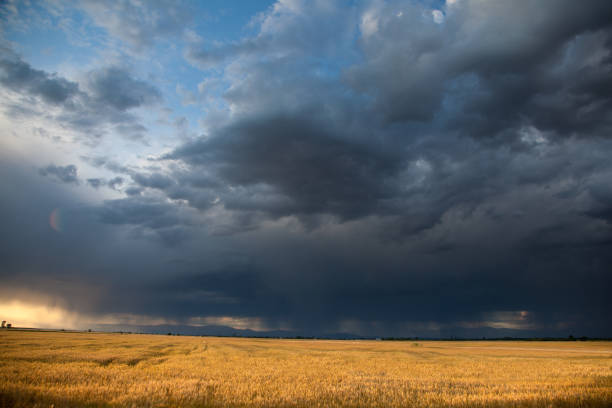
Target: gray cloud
point(115, 182)
point(506, 89)
point(66, 174)
point(96, 182)
point(154, 180)
point(317, 280)
point(116, 88)
point(111, 93)
point(450, 133)
point(311, 170)
point(602, 206)
point(138, 211)
point(132, 191)
point(138, 26)
point(497, 83)
point(107, 163)
point(18, 76)
point(149, 216)
point(430, 178)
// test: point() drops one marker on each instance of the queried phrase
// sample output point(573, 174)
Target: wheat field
point(61, 369)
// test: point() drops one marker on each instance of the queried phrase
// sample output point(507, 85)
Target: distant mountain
point(217, 330)
point(227, 331)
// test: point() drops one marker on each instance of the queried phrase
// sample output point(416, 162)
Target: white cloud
point(532, 136)
point(438, 16)
point(369, 23)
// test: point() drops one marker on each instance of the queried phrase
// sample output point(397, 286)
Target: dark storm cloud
point(517, 90)
point(50, 258)
point(148, 216)
point(454, 139)
point(536, 73)
point(602, 208)
point(446, 178)
point(320, 292)
point(321, 172)
point(67, 174)
point(312, 282)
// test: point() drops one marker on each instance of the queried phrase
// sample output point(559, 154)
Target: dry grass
point(94, 369)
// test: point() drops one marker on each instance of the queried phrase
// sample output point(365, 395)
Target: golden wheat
point(41, 369)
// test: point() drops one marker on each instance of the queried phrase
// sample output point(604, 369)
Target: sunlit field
point(41, 369)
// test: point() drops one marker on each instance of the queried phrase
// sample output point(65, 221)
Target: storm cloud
point(405, 168)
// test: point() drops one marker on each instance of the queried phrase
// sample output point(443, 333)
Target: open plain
point(101, 369)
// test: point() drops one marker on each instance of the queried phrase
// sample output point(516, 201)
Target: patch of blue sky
point(56, 37)
point(225, 21)
point(166, 68)
point(215, 22)
point(49, 41)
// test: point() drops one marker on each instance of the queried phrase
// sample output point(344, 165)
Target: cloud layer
point(383, 168)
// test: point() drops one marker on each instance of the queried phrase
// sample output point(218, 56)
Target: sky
point(381, 168)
